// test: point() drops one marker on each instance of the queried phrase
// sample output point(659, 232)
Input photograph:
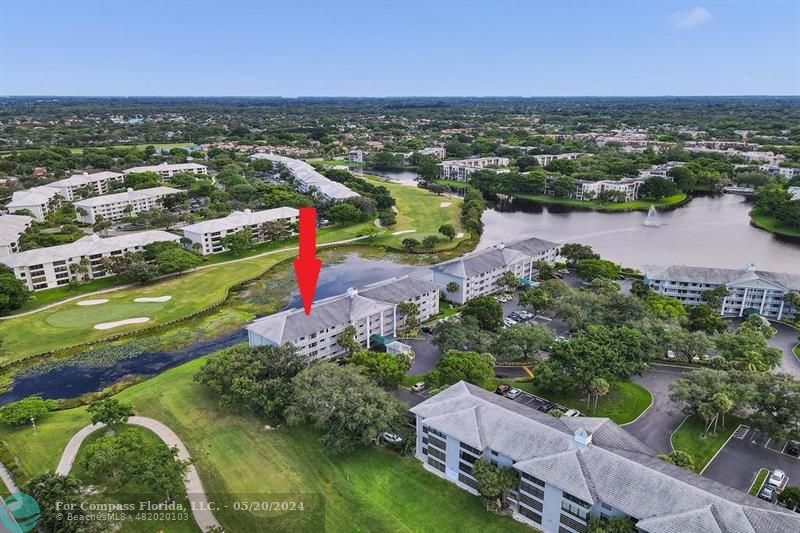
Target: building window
point(530, 502)
point(532, 479)
point(433, 452)
point(469, 448)
point(572, 523)
point(436, 442)
point(574, 510)
point(530, 489)
point(436, 464)
point(527, 513)
point(468, 481)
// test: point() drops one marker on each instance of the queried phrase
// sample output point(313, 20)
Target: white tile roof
point(175, 167)
point(615, 468)
point(476, 263)
point(89, 245)
point(11, 227)
point(33, 196)
point(125, 196)
point(718, 276)
point(78, 180)
point(308, 175)
point(239, 219)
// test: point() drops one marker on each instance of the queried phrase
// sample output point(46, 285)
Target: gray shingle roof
point(718, 276)
point(240, 219)
point(397, 290)
point(125, 196)
point(11, 227)
point(614, 468)
point(476, 263)
point(177, 167)
point(78, 180)
point(307, 174)
point(32, 196)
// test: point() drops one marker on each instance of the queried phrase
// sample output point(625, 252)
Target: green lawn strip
point(761, 476)
point(771, 224)
point(689, 438)
point(49, 296)
point(119, 492)
point(624, 402)
point(190, 293)
point(369, 490)
point(635, 205)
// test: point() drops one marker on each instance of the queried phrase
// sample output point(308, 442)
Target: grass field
point(689, 438)
point(796, 351)
point(70, 324)
point(761, 475)
point(771, 224)
point(370, 490)
point(624, 402)
point(636, 205)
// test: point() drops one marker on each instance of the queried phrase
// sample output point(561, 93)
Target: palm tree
point(597, 387)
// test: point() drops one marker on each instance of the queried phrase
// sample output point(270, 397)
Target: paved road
point(194, 487)
point(786, 340)
point(739, 460)
point(656, 425)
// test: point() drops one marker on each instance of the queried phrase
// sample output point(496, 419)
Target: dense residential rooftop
point(610, 466)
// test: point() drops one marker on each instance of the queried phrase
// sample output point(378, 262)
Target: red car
point(502, 389)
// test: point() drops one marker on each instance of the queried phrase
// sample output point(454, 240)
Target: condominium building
point(571, 470)
point(546, 159)
point(371, 310)
point(794, 192)
point(786, 172)
point(38, 201)
point(751, 290)
point(438, 152)
point(45, 268)
point(98, 183)
point(462, 169)
point(11, 229)
point(308, 180)
point(477, 273)
point(207, 236)
point(167, 170)
point(113, 206)
point(356, 156)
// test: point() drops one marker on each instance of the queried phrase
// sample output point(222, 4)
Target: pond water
point(406, 177)
point(71, 380)
point(708, 231)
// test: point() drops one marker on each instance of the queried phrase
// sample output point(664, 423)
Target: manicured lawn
point(797, 351)
point(758, 481)
point(48, 296)
point(70, 324)
point(370, 490)
point(771, 224)
point(624, 402)
point(636, 205)
point(689, 438)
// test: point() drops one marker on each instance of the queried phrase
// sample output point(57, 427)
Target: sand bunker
point(93, 302)
point(109, 325)
point(459, 235)
point(145, 299)
point(404, 231)
point(445, 204)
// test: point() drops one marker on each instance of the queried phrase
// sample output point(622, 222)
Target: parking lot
point(745, 453)
point(540, 404)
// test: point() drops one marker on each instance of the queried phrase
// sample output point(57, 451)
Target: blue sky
point(393, 48)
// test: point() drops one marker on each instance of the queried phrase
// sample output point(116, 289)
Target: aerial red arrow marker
point(307, 266)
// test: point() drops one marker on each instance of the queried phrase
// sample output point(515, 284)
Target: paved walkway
point(8, 481)
point(203, 267)
point(194, 487)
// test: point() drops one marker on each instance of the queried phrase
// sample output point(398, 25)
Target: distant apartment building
point(39, 201)
point(571, 470)
point(356, 156)
point(45, 268)
point(207, 235)
point(438, 152)
point(751, 290)
point(167, 170)
point(11, 229)
point(786, 172)
point(98, 183)
point(477, 273)
point(462, 169)
point(372, 310)
point(546, 159)
point(794, 192)
point(308, 180)
point(113, 206)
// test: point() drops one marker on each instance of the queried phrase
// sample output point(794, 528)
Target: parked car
point(777, 478)
point(513, 394)
point(418, 387)
point(427, 329)
point(767, 493)
point(509, 322)
point(572, 412)
point(391, 438)
point(792, 448)
point(502, 389)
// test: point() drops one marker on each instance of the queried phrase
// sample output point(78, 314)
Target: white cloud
point(689, 18)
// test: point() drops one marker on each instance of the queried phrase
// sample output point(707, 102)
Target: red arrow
point(307, 266)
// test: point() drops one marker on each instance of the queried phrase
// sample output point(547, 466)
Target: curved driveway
point(786, 339)
point(194, 487)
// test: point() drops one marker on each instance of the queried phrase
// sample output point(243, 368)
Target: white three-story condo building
point(98, 183)
point(11, 229)
point(462, 169)
point(167, 170)
point(38, 201)
point(372, 310)
point(207, 235)
point(477, 273)
point(751, 290)
point(308, 180)
point(45, 268)
point(113, 206)
point(574, 469)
